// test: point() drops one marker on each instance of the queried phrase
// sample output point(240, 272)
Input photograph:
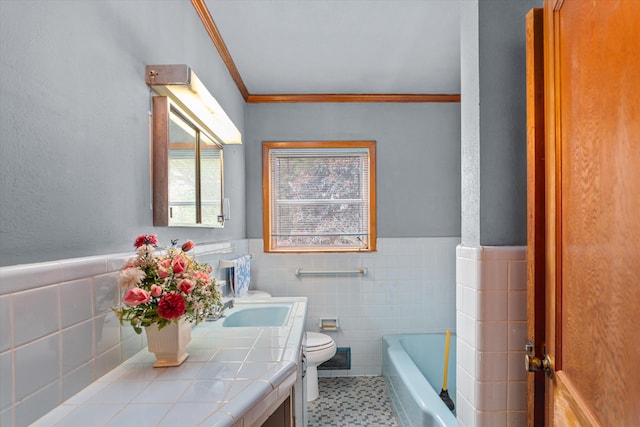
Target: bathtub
point(413, 367)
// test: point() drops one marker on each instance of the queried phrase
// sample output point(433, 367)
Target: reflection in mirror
point(187, 170)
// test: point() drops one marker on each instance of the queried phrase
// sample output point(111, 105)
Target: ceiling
point(339, 46)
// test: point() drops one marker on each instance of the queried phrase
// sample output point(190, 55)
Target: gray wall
point(470, 124)
point(74, 131)
point(74, 124)
point(493, 109)
point(418, 158)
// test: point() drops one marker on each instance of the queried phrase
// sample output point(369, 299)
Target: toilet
point(318, 349)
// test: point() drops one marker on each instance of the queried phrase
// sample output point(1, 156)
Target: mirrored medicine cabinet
point(187, 170)
point(188, 129)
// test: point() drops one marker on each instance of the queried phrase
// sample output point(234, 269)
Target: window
point(319, 196)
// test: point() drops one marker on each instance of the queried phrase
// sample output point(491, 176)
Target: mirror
point(187, 170)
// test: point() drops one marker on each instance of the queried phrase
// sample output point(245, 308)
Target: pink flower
point(179, 264)
point(146, 239)
point(156, 290)
point(188, 245)
point(171, 306)
point(203, 277)
point(186, 286)
point(132, 262)
point(136, 296)
point(165, 263)
point(163, 273)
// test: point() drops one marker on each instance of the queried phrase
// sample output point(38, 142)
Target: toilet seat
point(318, 342)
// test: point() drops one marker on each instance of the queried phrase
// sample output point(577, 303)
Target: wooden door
point(592, 154)
point(535, 211)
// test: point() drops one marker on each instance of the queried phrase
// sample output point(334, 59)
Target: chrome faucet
point(219, 313)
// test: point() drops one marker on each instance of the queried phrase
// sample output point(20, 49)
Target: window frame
point(267, 214)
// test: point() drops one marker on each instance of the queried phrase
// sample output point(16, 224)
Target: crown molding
point(216, 38)
point(218, 42)
point(365, 97)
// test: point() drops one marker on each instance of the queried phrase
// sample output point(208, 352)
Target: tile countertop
point(233, 377)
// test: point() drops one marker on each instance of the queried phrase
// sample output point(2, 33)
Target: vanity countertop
point(233, 376)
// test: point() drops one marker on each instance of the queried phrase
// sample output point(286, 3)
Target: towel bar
point(300, 272)
point(229, 263)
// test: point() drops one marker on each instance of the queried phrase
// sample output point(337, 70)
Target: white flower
point(146, 253)
point(130, 278)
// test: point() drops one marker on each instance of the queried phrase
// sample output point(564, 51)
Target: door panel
point(593, 211)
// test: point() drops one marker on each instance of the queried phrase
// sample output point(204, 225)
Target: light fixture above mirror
point(182, 86)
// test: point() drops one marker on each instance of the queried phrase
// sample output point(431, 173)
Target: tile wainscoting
point(409, 288)
point(58, 333)
point(492, 328)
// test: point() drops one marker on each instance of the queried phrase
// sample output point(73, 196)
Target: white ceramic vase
point(169, 343)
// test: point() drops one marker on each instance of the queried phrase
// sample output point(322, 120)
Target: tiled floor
point(351, 401)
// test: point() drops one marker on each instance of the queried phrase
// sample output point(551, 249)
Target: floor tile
point(351, 402)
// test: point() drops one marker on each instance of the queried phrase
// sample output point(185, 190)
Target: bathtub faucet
point(219, 313)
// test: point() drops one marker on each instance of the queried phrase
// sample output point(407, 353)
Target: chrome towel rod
point(300, 272)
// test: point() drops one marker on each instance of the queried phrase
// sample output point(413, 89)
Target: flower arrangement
point(160, 288)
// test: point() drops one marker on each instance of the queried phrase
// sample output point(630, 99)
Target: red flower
point(146, 239)
point(186, 286)
point(171, 306)
point(179, 264)
point(188, 245)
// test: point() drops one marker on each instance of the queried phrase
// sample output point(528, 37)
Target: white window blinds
point(320, 198)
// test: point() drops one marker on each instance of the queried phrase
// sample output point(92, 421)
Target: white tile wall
point(48, 333)
point(58, 333)
point(36, 365)
point(409, 288)
point(77, 300)
point(77, 346)
point(491, 316)
point(5, 324)
point(37, 312)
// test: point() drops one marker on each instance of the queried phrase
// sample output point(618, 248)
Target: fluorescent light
point(183, 87)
